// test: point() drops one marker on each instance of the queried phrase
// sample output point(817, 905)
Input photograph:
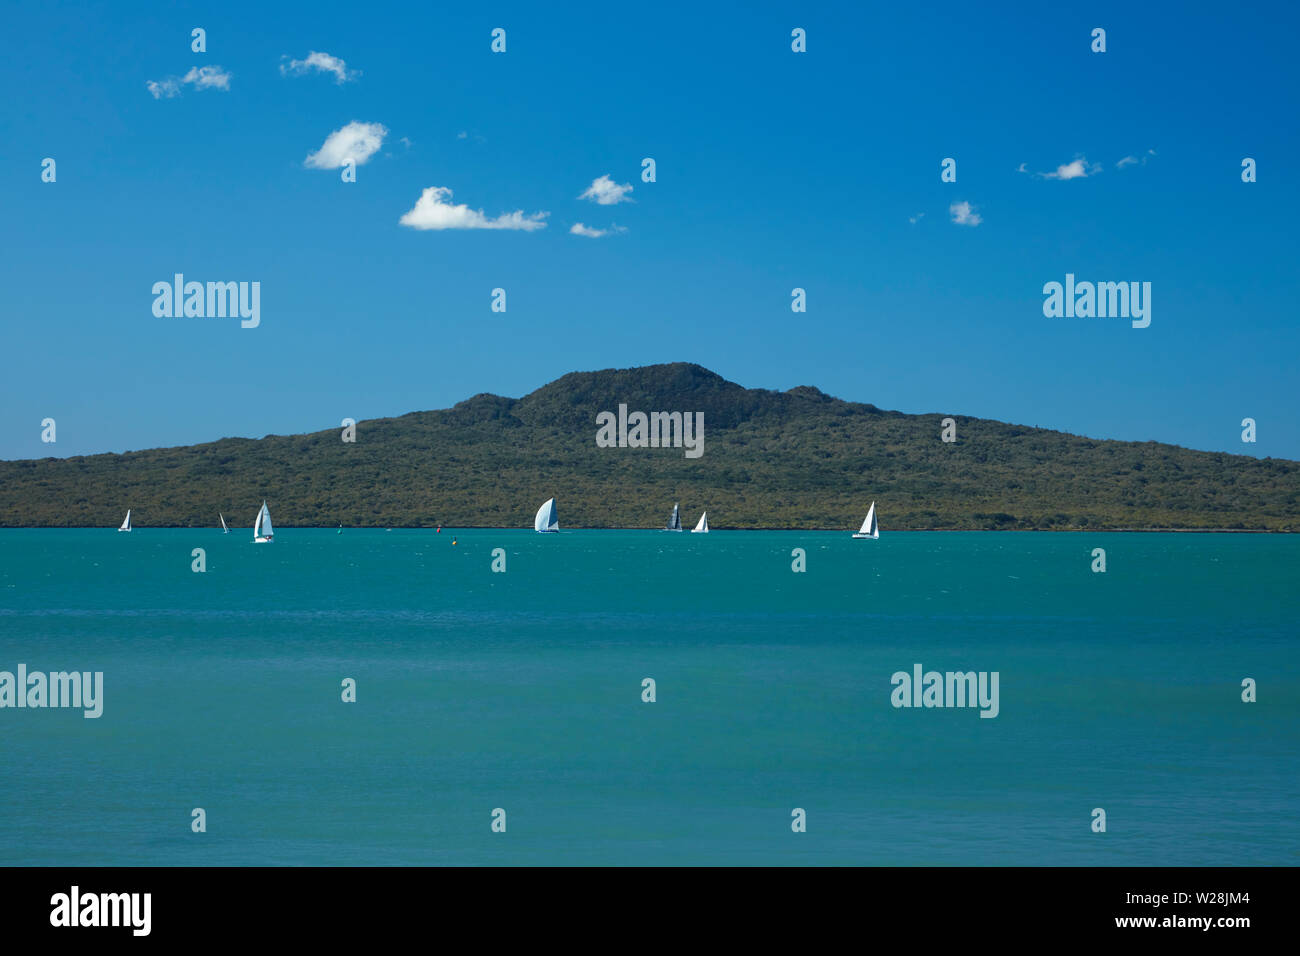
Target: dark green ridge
point(796, 459)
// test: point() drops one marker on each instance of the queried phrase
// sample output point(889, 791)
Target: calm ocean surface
point(522, 690)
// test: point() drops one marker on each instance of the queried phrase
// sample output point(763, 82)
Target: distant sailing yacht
point(126, 522)
point(547, 519)
point(869, 527)
point(674, 520)
point(224, 529)
point(263, 533)
point(703, 526)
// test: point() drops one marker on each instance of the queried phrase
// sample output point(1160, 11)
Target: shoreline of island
point(524, 529)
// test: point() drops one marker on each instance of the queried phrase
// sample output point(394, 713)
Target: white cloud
point(164, 89)
point(606, 192)
point(200, 77)
point(917, 218)
point(1135, 160)
point(964, 214)
point(1075, 169)
point(1078, 168)
point(356, 141)
point(207, 78)
point(578, 229)
point(321, 63)
point(433, 211)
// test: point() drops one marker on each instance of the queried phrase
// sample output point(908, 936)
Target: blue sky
point(775, 170)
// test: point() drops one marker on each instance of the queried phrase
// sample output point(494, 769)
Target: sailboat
point(547, 519)
point(263, 533)
point(224, 529)
point(674, 520)
point(126, 522)
point(702, 527)
point(869, 527)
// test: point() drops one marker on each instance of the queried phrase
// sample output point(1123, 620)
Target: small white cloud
point(200, 77)
point(917, 218)
point(606, 192)
point(462, 135)
point(1078, 168)
point(164, 89)
point(964, 214)
point(433, 211)
point(356, 141)
point(1138, 160)
point(578, 229)
point(207, 78)
point(405, 142)
point(321, 63)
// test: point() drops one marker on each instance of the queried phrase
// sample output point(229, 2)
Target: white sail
point(869, 529)
point(674, 520)
point(126, 522)
point(224, 529)
point(702, 527)
point(547, 519)
point(262, 530)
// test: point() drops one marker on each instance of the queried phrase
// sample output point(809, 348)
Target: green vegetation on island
point(795, 459)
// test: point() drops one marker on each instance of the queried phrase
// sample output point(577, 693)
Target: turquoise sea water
point(522, 690)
